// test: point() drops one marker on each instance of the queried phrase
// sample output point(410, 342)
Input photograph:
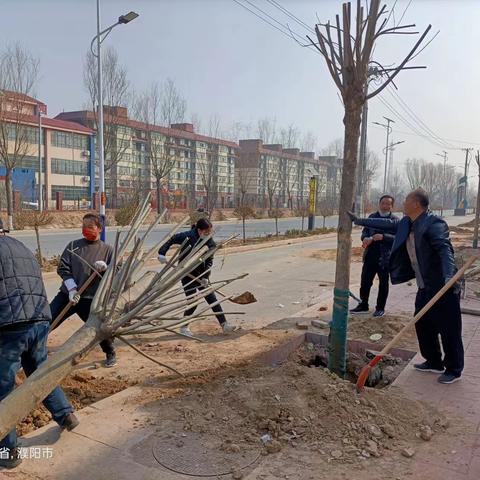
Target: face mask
point(384, 214)
point(89, 234)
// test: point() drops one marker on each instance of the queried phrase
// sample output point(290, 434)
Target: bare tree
point(214, 126)
point(156, 148)
point(173, 106)
point(18, 76)
point(196, 121)
point(267, 130)
point(397, 186)
point(415, 173)
point(335, 147)
point(347, 48)
point(309, 142)
point(208, 170)
point(116, 93)
point(273, 177)
point(290, 181)
point(289, 136)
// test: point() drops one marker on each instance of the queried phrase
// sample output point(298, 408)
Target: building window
point(70, 192)
point(29, 162)
point(69, 167)
point(69, 140)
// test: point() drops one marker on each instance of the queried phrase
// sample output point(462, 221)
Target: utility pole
point(444, 189)
point(389, 129)
point(477, 209)
point(390, 163)
point(465, 201)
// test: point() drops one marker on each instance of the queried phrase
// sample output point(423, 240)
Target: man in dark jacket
point(74, 274)
point(202, 229)
point(422, 250)
point(24, 323)
point(377, 245)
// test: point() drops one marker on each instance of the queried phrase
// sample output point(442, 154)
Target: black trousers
point(444, 319)
point(82, 309)
point(210, 298)
point(371, 267)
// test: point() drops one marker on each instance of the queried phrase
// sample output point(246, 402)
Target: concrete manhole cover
point(200, 455)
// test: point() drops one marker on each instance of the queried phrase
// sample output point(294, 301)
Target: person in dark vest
point(422, 250)
point(377, 245)
point(24, 324)
point(74, 273)
point(202, 229)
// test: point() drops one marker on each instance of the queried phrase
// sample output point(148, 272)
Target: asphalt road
point(54, 241)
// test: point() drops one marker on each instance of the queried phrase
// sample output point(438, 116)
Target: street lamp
point(390, 163)
point(444, 155)
point(99, 38)
point(389, 129)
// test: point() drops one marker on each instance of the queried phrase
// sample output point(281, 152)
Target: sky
point(229, 63)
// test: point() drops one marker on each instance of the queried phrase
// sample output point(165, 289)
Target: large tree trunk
point(9, 193)
point(25, 398)
point(338, 329)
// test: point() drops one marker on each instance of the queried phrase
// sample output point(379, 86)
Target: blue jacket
point(378, 252)
point(22, 293)
point(192, 238)
point(432, 244)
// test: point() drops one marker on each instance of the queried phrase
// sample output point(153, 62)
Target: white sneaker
point(185, 330)
point(227, 328)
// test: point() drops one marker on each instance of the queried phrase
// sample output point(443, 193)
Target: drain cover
point(199, 455)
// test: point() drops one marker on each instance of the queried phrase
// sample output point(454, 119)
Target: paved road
point(54, 241)
point(286, 275)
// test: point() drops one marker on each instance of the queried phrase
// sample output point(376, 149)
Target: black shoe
point(426, 367)
point(379, 313)
point(13, 459)
point(448, 378)
point(359, 309)
point(69, 422)
point(111, 360)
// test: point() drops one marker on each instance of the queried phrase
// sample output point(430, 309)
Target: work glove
point(73, 296)
point(100, 266)
point(352, 216)
point(162, 259)
point(204, 282)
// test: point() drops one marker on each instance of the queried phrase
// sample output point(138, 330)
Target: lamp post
point(99, 38)
point(389, 129)
point(390, 163)
point(444, 155)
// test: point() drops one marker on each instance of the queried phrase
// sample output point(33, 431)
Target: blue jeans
point(25, 344)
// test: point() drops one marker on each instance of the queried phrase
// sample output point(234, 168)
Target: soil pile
point(300, 406)
point(82, 389)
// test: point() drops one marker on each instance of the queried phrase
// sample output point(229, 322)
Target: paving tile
point(427, 471)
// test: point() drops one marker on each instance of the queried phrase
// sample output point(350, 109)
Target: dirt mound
point(330, 255)
point(361, 327)
point(470, 223)
point(82, 389)
point(297, 405)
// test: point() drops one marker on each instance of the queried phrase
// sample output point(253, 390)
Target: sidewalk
point(460, 458)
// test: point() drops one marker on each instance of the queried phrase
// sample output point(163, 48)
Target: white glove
point(73, 296)
point(100, 266)
point(204, 282)
point(162, 259)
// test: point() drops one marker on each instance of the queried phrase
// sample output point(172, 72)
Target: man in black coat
point(377, 245)
point(422, 250)
point(202, 229)
point(24, 324)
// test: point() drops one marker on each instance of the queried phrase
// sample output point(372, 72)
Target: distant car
point(30, 205)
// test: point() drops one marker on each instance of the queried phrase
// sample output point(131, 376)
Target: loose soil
point(296, 408)
point(82, 389)
point(330, 255)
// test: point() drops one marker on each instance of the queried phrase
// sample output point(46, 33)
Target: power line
point(415, 118)
point(291, 15)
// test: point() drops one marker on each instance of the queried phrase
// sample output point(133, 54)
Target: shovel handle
point(67, 307)
point(425, 309)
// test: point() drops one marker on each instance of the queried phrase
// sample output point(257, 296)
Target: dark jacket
point(378, 252)
point(22, 293)
point(432, 244)
point(72, 267)
point(192, 238)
